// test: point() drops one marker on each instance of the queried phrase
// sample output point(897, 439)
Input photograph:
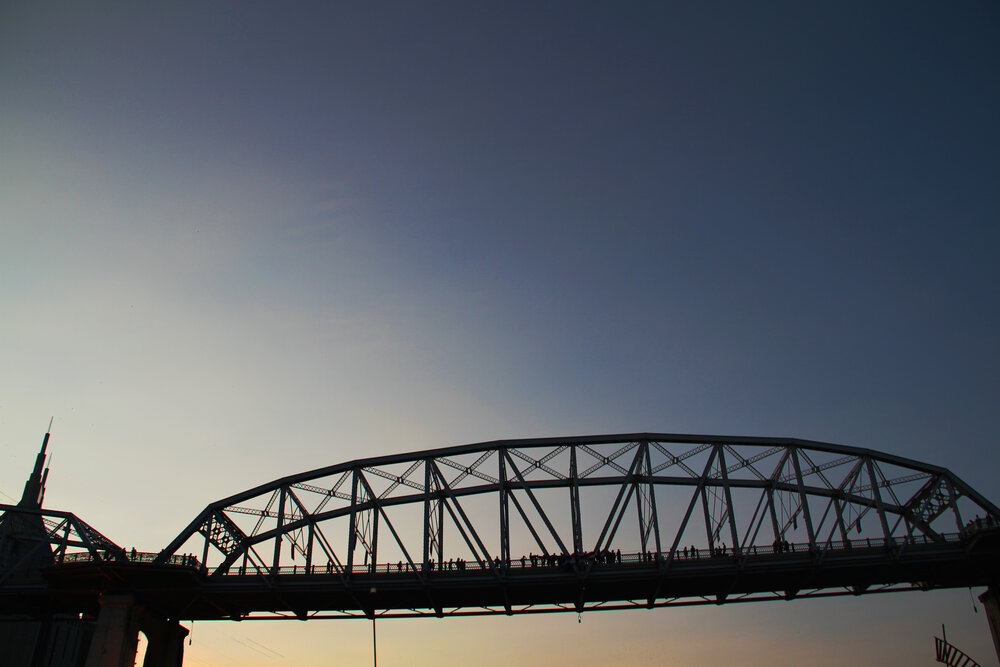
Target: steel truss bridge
point(528, 526)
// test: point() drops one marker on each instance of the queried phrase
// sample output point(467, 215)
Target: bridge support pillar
point(991, 603)
point(117, 636)
point(165, 644)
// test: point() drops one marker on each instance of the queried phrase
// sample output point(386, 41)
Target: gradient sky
point(241, 240)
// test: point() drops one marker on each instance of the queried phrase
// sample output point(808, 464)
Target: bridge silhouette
point(520, 526)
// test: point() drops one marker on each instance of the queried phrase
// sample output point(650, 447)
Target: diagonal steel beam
point(534, 501)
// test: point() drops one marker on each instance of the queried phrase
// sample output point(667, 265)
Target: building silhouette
point(34, 639)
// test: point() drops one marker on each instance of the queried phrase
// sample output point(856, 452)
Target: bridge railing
point(552, 562)
point(549, 561)
point(546, 561)
point(186, 560)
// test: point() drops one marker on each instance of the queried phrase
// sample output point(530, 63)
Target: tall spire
point(34, 488)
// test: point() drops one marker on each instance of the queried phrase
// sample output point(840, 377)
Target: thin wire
point(374, 645)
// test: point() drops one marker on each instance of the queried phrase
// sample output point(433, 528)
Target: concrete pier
point(117, 635)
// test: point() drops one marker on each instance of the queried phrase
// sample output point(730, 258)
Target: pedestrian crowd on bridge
point(980, 523)
point(606, 557)
point(582, 559)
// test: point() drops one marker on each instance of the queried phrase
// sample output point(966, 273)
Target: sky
point(243, 240)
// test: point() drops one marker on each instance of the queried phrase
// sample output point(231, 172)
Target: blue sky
point(250, 239)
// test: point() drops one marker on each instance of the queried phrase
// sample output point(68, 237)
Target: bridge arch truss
point(543, 509)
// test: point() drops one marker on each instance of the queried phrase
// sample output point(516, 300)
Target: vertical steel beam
point(729, 502)
point(839, 509)
point(709, 520)
point(953, 501)
point(379, 511)
point(638, 490)
point(277, 538)
point(352, 526)
point(433, 517)
point(468, 524)
point(779, 530)
point(374, 525)
point(427, 514)
point(504, 512)
point(309, 547)
point(437, 525)
point(645, 500)
point(652, 497)
point(878, 500)
point(574, 499)
point(804, 500)
point(440, 530)
point(208, 531)
point(850, 479)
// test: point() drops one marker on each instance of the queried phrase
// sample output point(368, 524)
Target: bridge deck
point(182, 589)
